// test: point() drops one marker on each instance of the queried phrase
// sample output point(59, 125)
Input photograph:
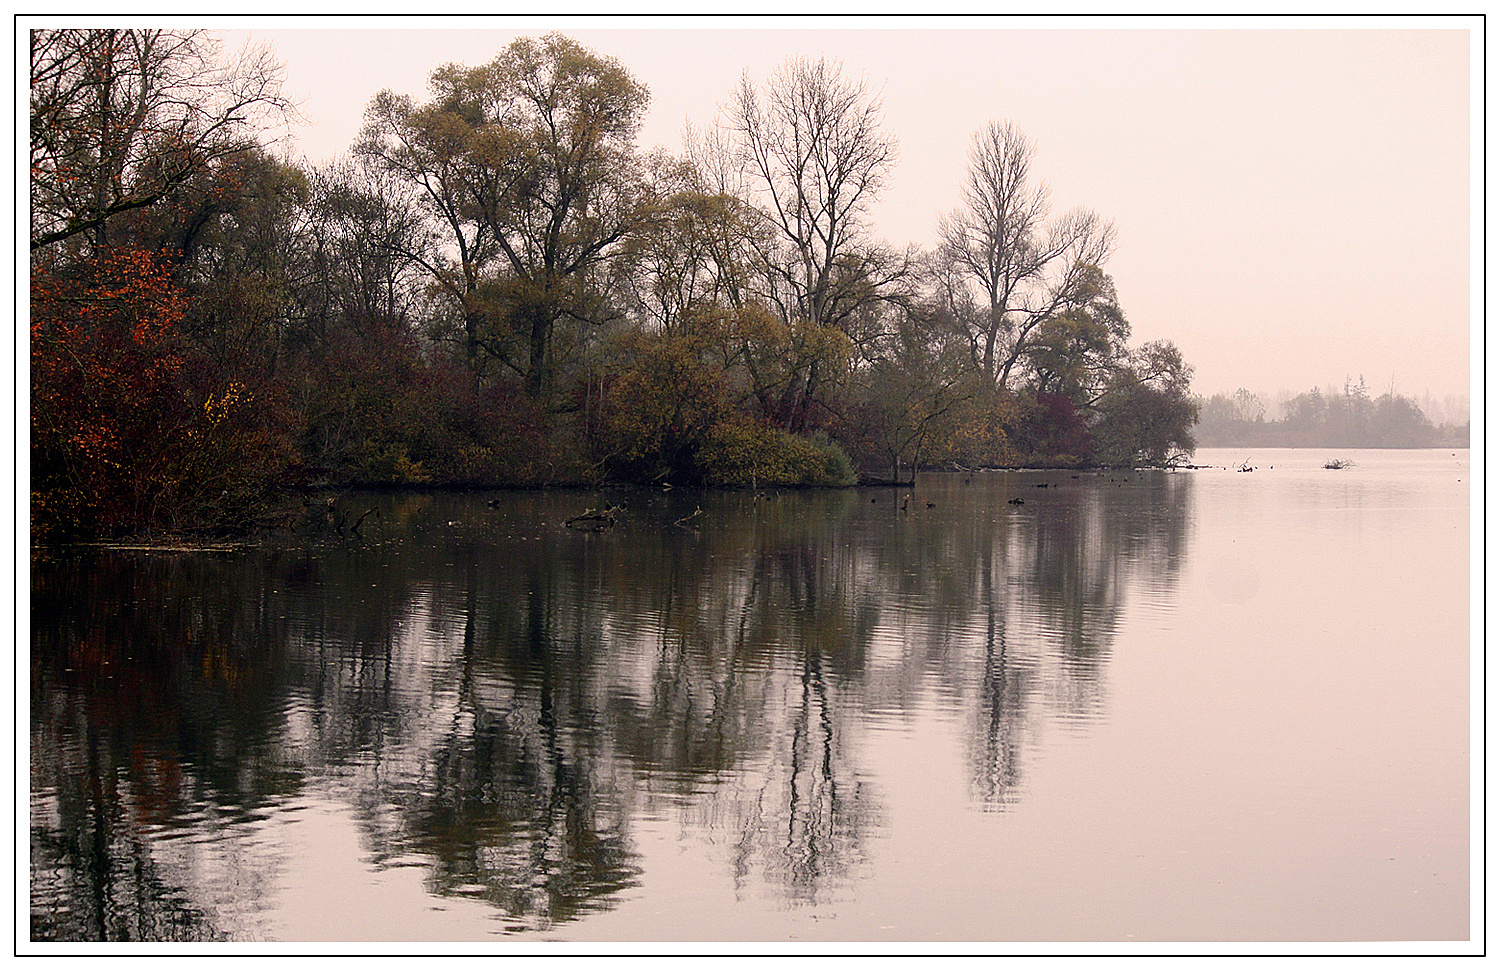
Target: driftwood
point(593, 519)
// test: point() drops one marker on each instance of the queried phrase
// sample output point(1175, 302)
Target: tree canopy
point(496, 286)
point(529, 163)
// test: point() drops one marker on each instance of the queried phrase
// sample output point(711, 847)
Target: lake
point(1051, 710)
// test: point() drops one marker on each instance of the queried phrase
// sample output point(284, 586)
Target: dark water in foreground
point(1200, 706)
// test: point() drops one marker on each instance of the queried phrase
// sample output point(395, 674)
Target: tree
point(1076, 352)
point(1030, 272)
point(1306, 414)
point(122, 118)
point(528, 163)
point(1146, 414)
point(661, 408)
point(239, 242)
point(689, 269)
point(1051, 429)
point(816, 158)
point(358, 301)
point(144, 415)
point(914, 394)
point(1248, 406)
point(121, 440)
point(1397, 422)
point(1351, 419)
point(360, 230)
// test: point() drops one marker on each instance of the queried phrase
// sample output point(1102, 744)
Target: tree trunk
point(536, 370)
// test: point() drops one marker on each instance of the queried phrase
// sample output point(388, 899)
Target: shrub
point(125, 438)
point(659, 411)
point(386, 464)
point(1049, 429)
point(741, 453)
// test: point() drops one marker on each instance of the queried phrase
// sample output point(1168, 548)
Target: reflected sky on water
point(1022, 706)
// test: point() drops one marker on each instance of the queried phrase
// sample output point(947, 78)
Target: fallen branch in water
point(1338, 464)
point(355, 528)
point(590, 519)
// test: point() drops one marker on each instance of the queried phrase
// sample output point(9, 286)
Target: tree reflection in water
point(501, 698)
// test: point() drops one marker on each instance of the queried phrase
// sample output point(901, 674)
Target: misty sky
point(1293, 205)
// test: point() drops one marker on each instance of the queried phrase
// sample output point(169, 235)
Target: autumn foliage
point(105, 390)
point(123, 439)
point(497, 289)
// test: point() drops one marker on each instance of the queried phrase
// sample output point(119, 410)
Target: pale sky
point(1293, 205)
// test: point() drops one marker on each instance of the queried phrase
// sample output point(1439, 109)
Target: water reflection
point(499, 699)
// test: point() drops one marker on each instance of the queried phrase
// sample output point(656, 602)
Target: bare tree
point(121, 118)
point(1030, 270)
point(816, 158)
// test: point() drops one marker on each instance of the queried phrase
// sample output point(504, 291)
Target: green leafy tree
point(660, 407)
point(1145, 411)
point(1146, 415)
point(240, 242)
point(529, 165)
point(1076, 352)
point(667, 416)
point(912, 391)
point(689, 269)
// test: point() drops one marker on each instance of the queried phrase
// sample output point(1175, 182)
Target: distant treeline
point(1351, 419)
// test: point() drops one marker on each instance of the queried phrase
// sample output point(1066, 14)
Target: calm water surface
point(1196, 706)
